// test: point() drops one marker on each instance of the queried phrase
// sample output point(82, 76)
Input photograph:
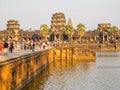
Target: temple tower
point(70, 22)
point(58, 24)
point(13, 29)
point(104, 32)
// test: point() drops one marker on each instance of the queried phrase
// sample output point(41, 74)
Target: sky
point(33, 13)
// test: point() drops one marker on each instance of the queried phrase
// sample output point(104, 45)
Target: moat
point(103, 74)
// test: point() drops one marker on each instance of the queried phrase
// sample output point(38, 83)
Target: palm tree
point(81, 29)
point(44, 29)
point(114, 30)
point(69, 30)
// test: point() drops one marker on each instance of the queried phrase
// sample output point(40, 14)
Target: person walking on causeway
point(5, 46)
point(11, 47)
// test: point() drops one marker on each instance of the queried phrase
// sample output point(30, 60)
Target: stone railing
point(93, 47)
point(17, 72)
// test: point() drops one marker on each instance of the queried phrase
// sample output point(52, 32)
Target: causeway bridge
point(18, 71)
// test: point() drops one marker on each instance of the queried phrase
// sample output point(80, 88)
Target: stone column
point(107, 37)
point(54, 37)
point(103, 39)
point(60, 54)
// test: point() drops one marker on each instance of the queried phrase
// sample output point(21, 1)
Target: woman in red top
point(1, 47)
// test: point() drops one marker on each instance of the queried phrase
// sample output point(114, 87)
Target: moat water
point(104, 74)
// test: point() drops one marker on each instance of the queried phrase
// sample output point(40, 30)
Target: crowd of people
point(8, 47)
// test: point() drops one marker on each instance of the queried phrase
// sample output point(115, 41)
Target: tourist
point(11, 47)
point(5, 46)
point(37, 46)
point(44, 44)
point(33, 47)
point(25, 45)
point(1, 47)
point(40, 44)
point(28, 45)
point(21, 45)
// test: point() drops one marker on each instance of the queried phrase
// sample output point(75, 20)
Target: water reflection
point(104, 74)
point(39, 81)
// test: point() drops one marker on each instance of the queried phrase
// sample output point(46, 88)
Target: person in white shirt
point(43, 45)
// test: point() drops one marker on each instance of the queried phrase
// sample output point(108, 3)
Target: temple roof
point(70, 22)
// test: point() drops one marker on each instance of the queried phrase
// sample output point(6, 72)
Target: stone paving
point(18, 53)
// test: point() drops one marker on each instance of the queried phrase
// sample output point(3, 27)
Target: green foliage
point(114, 29)
point(44, 29)
point(69, 30)
point(81, 29)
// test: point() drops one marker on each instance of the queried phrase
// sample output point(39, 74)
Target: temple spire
point(70, 22)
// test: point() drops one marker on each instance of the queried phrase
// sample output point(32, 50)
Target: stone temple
point(102, 34)
point(58, 24)
point(13, 29)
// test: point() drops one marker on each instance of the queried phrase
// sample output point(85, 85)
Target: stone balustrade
point(17, 72)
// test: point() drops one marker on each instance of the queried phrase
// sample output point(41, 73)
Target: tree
point(69, 30)
point(44, 29)
point(81, 29)
point(114, 29)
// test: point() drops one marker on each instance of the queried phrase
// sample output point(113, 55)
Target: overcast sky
point(33, 13)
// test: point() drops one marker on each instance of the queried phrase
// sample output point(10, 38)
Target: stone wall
point(17, 72)
point(74, 54)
